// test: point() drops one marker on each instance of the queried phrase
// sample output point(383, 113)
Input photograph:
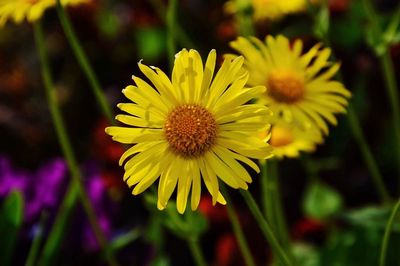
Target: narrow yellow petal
point(232, 163)
point(184, 184)
point(225, 173)
point(196, 186)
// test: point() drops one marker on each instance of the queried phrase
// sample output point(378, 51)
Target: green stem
point(196, 251)
point(237, 230)
point(390, 32)
point(373, 17)
point(273, 203)
point(54, 240)
point(171, 27)
point(180, 34)
point(266, 228)
point(244, 18)
point(392, 90)
point(276, 199)
point(265, 188)
point(361, 141)
point(65, 142)
point(83, 61)
point(37, 240)
point(387, 68)
point(367, 155)
point(126, 239)
point(386, 236)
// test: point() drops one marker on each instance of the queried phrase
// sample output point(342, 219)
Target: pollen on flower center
point(190, 130)
point(285, 86)
point(280, 136)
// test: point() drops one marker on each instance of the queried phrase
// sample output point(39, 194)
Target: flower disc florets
point(190, 130)
point(285, 86)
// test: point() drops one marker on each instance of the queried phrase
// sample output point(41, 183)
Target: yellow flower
point(269, 9)
point(299, 86)
point(194, 128)
point(32, 10)
point(276, 9)
point(288, 140)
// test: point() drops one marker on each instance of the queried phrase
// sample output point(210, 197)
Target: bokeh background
point(343, 227)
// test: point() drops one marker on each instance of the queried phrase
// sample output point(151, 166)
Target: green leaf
point(11, 217)
point(189, 224)
point(161, 260)
point(150, 43)
point(371, 217)
point(358, 245)
point(306, 255)
point(197, 223)
point(321, 25)
point(321, 201)
point(346, 32)
point(375, 41)
point(108, 23)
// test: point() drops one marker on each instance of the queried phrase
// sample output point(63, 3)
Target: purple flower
point(41, 189)
point(11, 179)
point(97, 193)
point(44, 188)
point(47, 185)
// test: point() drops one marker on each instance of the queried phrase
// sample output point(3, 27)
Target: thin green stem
point(84, 62)
point(276, 199)
point(54, 240)
point(197, 254)
point(266, 228)
point(180, 34)
point(266, 193)
point(392, 90)
point(171, 28)
point(65, 142)
point(386, 236)
point(37, 241)
point(237, 230)
point(367, 155)
point(273, 209)
point(391, 30)
point(244, 18)
point(358, 134)
point(126, 238)
point(373, 17)
point(387, 68)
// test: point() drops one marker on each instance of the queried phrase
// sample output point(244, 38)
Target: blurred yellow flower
point(194, 128)
point(288, 140)
point(299, 86)
point(269, 9)
point(18, 10)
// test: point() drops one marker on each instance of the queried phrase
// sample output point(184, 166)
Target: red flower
point(307, 227)
point(338, 5)
point(105, 147)
point(216, 214)
point(226, 249)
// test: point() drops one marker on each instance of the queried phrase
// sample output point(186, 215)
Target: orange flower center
point(281, 136)
point(285, 86)
point(190, 130)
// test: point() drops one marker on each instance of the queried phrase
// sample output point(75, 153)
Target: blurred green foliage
point(321, 201)
point(11, 218)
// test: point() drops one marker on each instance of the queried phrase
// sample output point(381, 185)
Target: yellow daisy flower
point(32, 10)
point(276, 9)
point(288, 140)
point(299, 86)
point(194, 128)
point(269, 9)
